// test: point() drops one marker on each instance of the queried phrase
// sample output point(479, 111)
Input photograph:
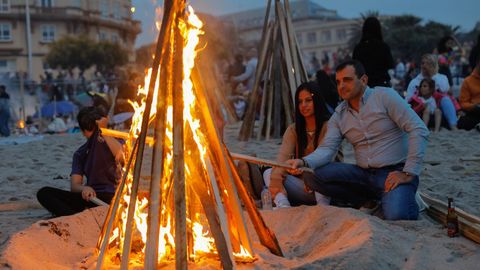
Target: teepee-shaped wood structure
point(192, 208)
point(281, 69)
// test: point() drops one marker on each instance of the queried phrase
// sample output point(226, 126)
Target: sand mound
point(310, 236)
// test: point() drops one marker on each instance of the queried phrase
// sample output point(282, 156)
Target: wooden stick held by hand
point(97, 201)
point(267, 162)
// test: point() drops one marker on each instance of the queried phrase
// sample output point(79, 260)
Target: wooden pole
point(263, 161)
point(277, 94)
point(286, 49)
point(270, 92)
point(221, 162)
point(267, 237)
point(267, 83)
point(221, 232)
point(287, 101)
point(297, 60)
point(181, 258)
point(246, 129)
point(112, 212)
point(153, 222)
point(236, 156)
point(249, 121)
point(141, 145)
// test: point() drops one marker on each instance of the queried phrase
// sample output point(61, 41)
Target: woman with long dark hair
point(374, 54)
point(299, 140)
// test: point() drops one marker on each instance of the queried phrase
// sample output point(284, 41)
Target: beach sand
point(311, 237)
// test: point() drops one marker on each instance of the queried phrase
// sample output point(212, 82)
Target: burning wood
point(192, 211)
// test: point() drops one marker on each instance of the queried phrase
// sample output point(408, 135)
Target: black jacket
point(376, 57)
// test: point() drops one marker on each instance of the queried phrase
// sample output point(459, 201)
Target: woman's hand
point(296, 166)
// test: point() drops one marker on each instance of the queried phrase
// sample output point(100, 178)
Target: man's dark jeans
point(356, 185)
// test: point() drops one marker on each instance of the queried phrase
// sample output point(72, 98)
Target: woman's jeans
point(356, 185)
point(295, 188)
point(448, 110)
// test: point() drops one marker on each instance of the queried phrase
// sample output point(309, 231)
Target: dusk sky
point(464, 13)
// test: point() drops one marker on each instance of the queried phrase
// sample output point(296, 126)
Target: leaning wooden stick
point(97, 201)
point(267, 162)
point(149, 140)
point(122, 135)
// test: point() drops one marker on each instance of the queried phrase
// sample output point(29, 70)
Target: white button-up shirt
point(385, 131)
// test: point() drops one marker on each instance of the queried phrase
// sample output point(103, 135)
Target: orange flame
point(203, 242)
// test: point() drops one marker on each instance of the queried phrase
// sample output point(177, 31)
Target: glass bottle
point(266, 199)
point(452, 219)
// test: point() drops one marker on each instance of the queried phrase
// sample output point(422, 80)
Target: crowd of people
point(58, 98)
point(387, 127)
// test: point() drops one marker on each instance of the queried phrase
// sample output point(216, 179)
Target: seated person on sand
point(424, 104)
point(443, 94)
point(98, 160)
point(389, 141)
point(299, 140)
point(470, 100)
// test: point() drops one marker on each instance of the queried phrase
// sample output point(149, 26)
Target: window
point(47, 3)
point(3, 64)
point(117, 10)
point(102, 36)
point(77, 3)
point(48, 33)
point(341, 34)
point(312, 37)
point(299, 38)
point(4, 6)
point(326, 36)
point(103, 8)
point(5, 32)
point(115, 38)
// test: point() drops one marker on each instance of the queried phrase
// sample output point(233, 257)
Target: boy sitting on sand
point(98, 160)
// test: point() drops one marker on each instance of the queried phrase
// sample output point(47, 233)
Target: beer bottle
point(452, 219)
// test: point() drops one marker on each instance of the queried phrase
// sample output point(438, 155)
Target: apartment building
point(321, 33)
point(50, 20)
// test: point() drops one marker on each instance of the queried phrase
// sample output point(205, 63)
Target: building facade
point(321, 33)
point(50, 20)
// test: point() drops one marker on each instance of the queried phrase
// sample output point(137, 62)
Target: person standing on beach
point(4, 112)
point(374, 54)
point(98, 160)
point(389, 141)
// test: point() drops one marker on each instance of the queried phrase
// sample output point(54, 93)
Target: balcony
point(92, 17)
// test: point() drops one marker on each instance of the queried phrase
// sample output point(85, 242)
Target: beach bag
point(417, 103)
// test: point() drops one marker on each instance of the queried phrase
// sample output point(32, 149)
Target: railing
point(74, 13)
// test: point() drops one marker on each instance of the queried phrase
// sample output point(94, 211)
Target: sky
point(463, 13)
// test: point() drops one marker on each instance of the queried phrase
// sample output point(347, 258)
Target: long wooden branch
point(267, 162)
point(261, 161)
